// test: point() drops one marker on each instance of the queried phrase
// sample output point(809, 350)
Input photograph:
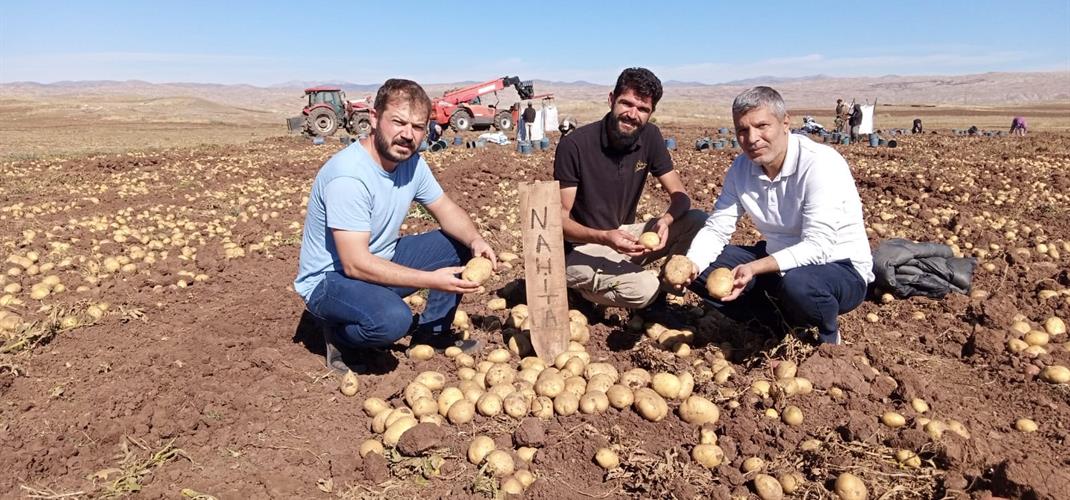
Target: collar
point(605, 138)
point(791, 161)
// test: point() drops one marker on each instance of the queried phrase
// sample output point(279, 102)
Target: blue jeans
point(372, 315)
point(812, 295)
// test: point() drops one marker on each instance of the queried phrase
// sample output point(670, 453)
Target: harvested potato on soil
point(350, 385)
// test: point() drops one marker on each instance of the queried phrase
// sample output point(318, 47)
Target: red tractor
point(462, 109)
point(328, 109)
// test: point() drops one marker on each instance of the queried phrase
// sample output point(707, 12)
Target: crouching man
point(354, 269)
point(814, 259)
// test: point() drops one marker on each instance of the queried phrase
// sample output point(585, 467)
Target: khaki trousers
point(603, 276)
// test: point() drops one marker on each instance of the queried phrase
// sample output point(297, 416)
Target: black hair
point(641, 81)
point(396, 89)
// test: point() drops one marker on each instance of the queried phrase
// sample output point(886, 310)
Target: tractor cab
point(330, 96)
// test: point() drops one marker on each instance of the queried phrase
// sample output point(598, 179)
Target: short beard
point(382, 145)
point(619, 140)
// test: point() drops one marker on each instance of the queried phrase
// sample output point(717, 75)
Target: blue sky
point(269, 42)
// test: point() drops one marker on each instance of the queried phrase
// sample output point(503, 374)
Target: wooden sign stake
point(544, 267)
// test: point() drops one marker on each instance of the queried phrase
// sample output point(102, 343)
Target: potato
point(526, 453)
point(1016, 345)
point(1025, 425)
point(753, 464)
point(935, 429)
point(1037, 337)
point(620, 396)
point(649, 240)
point(433, 418)
point(1054, 326)
point(593, 402)
point(719, 282)
point(792, 415)
point(370, 446)
point(650, 405)
point(635, 378)
point(1055, 374)
point(349, 385)
point(461, 321)
point(421, 352)
point(706, 435)
point(707, 455)
point(607, 459)
point(378, 424)
point(502, 390)
point(595, 369)
point(790, 482)
point(760, 387)
point(667, 385)
point(785, 369)
point(600, 382)
point(919, 405)
point(687, 384)
point(566, 404)
point(414, 391)
point(849, 487)
point(374, 406)
point(678, 270)
point(549, 385)
point(518, 314)
point(461, 412)
point(496, 304)
point(394, 431)
point(767, 487)
point(578, 332)
point(463, 360)
point(542, 407)
point(893, 419)
point(697, 410)
point(519, 343)
point(499, 355)
point(500, 463)
point(397, 414)
point(574, 366)
point(524, 476)
point(478, 270)
point(958, 428)
point(479, 448)
point(432, 380)
point(423, 407)
point(452, 351)
point(1021, 327)
point(908, 458)
point(512, 486)
point(515, 405)
point(533, 363)
point(499, 374)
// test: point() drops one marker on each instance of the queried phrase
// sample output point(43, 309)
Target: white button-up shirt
point(809, 214)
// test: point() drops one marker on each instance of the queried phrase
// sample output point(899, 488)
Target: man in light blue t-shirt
point(354, 269)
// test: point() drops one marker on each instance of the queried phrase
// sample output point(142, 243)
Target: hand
point(446, 279)
point(741, 275)
point(480, 248)
point(624, 242)
point(661, 227)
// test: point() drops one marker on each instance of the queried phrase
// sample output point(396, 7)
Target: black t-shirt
point(529, 115)
point(609, 183)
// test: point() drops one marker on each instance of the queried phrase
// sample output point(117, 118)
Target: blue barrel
point(882, 142)
point(718, 145)
point(703, 143)
point(544, 143)
point(438, 145)
point(457, 141)
point(670, 144)
point(316, 141)
point(423, 146)
point(845, 139)
point(874, 140)
point(524, 147)
point(735, 144)
point(722, 130)
point(481, 143)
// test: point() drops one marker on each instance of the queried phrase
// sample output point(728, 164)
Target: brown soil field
point(170, 358)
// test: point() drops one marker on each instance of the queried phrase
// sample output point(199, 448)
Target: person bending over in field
point(814, 261)
point(354, 269)
point(602, 168)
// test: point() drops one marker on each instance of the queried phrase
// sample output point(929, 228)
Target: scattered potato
point(697, 410)
point(650, 405)
point(790, 482)
point(496, 304)
point(370, 446)
point(908, 458)
point(893, 419)
point(792, 415)
point(667, 385)
point(421, 352)
point(768, 488)
point(480, 447)
point(500, 463)
point(350, 384)
point(461, 412)
point(606, 459)
point(1055, 374)
point(849, 487)
point(753, 464)
point(1054, 326)
point(707, 455)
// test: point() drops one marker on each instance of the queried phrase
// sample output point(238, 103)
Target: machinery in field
point(328, 109)
point(463, 109)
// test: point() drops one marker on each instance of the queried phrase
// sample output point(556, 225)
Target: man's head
point(530, 106)
point(762, 126)
point(839, 101)
point(633, 100)
point(399, 120)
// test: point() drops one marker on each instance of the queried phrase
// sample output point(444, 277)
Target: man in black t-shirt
point(602, 168)
point(529, 120)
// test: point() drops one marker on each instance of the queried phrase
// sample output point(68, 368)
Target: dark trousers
point(372, 315)
point(808, 296)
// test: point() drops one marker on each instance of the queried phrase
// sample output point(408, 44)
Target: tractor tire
point(461, 121)
point(322, 122)
point(360, 125)
point(503, 121)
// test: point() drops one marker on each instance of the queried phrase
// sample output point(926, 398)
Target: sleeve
point(716, 233)
point(659, 159)
point(348, 204)
point(824, 212)
point(567, 163)
point(427, 188)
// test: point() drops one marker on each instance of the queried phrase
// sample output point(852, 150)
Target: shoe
point(440, 342)
point(830, 338)
point(336, 355)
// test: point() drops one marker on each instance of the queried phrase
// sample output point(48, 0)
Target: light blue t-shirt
point(353, 193)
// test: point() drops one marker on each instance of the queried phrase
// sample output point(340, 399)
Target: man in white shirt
point(814, 260)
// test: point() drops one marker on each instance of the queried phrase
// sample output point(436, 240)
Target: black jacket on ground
point(906, 268)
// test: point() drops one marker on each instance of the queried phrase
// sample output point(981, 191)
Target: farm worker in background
point(602, 168)
point(529, 120)
point(917, 128)
point(815, 258)
point(567, 126)
point(855, 121)
point(1018, 126)
point(354, 269)
point(842, 115)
